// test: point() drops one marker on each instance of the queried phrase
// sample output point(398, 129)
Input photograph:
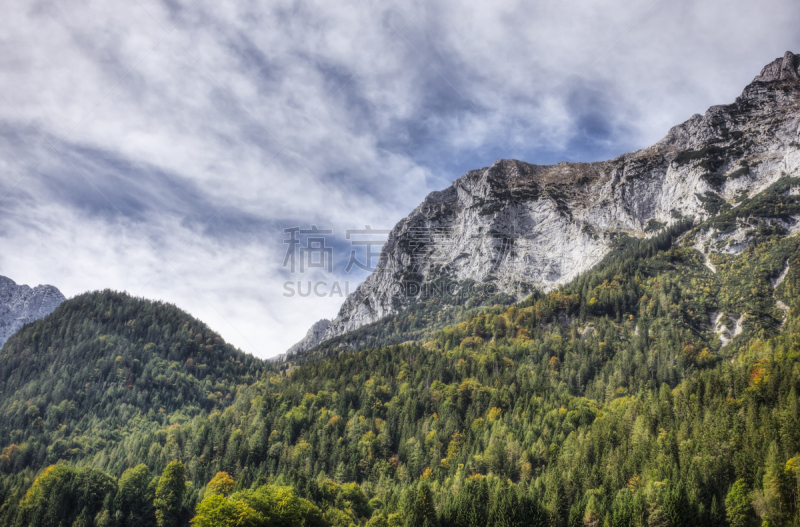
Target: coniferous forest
point(658, 389)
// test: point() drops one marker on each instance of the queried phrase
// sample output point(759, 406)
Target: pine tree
point(773, 483)
point(591, 516)
point(423, 513)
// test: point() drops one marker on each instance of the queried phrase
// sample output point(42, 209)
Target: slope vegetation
point(614, 400)
point(103, 364)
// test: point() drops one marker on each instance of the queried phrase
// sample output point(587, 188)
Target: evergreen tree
point(737, 505)
point(423, 512)
point(169, 495)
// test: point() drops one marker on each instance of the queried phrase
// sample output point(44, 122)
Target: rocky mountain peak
point(21, 304)
point(516, 224)
point(781, 69)
point(312, 338)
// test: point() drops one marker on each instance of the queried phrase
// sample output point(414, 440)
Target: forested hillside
point(447, 302)
point(658, 389)
point(102, 366)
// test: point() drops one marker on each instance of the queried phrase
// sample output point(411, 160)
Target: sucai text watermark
point(444, 289)
point(415, 249)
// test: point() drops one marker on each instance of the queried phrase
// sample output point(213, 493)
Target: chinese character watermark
point(312, 249)
point(368, 244)
point(315, 246)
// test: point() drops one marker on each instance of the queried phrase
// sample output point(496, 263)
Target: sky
point(163, 147)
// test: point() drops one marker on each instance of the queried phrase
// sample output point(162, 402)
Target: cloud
point(162, 147)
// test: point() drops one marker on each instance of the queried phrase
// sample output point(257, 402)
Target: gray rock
point(312, 338)
point(20, 304)
point(786, 68)
point(516, 223)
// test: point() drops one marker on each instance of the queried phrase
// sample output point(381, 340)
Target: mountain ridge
point(657, 388)
point(142, 357)
point(518, 224)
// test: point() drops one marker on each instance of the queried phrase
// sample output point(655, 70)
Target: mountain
point(19, 304)
point(130, 362)
point(657, 388)
point(612, 400)
point(516, 226)
point(312, 338)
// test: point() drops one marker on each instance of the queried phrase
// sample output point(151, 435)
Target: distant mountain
point(114, 357)
point(312, 338)
point(20, 304)
point(516, 225)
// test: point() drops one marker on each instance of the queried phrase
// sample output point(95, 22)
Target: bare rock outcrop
point(312, 338)
point(20, 304)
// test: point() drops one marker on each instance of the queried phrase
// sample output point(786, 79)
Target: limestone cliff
point(516, 224)
point(312, 338)
point(20, 304)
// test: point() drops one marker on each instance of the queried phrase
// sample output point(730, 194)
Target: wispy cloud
point(162, 147)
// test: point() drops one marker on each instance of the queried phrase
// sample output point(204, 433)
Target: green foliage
point(489, 501)
point(134, 499)
point(443, 302)
point(713, 203)
point(169, 495)
point(423, 512)
point(103, 365)
point(64, 496)
point(713, 179)
point(654, 225)
point(219, 511)
point(221, 484)
point(265, 506)
point(739, 172)
point(775, 202)
point(693, 155)
point(738, 507)
point(613, 400)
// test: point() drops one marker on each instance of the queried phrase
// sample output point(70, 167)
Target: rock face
point(19, 304)
point(516, 223)
point(787, 68)
point(312, 338)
